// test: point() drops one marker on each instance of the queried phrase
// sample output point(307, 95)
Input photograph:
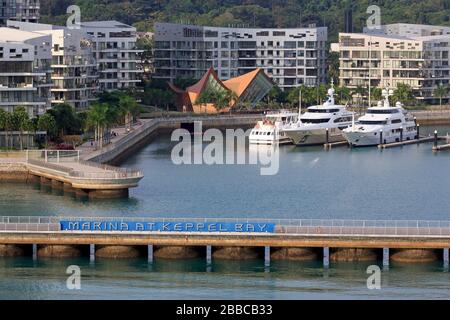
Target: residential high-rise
point(291, 57)
point(74, 70)
point(25, 73)
point(20, 10)
point(114, 48)
point(415, 55)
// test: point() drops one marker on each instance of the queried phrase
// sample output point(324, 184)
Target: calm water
point(401, 183)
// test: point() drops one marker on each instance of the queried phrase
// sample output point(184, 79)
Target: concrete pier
point(386, 257)
point(353, 255)
point(63, 170)
point(414, 255)
point(295, 254)
point(267, 256)
point(237, 253)
point(12, 250)
point(92, 252)
point(150, 253)
point(326, 257)
point(446, 258)
point(118, 252)
point(208, 255)
point(59, 251)
point(177, 252)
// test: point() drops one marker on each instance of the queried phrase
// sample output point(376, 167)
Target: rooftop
point(15, 35)
point(105, 24)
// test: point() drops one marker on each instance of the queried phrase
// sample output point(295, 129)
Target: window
point(315, 120)
point(379, 111)
point(371, 122)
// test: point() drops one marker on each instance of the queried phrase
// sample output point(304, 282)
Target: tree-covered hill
point(259, 13)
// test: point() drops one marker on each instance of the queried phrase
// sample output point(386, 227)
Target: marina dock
point(330, 240)
point(407, 142)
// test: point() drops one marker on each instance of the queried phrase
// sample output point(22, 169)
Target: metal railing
point(55, 160)
point(311, 227)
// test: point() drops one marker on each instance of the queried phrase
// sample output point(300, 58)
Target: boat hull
point(314, 137)
point(367, 139)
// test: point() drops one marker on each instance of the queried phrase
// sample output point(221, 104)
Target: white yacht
point(311, 129)
point(268, 131)
point(382, 124)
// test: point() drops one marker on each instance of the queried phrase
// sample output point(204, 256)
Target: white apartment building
point(291, 57)
point(20, 10)
point(25, 73)
point(74, 70)
point(114, 48)
point(415, 55)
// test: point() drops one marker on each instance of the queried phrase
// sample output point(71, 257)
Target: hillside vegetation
point(259, 13)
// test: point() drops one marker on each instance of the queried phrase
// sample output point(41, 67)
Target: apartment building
point(25, 72)
point(416, 55)
point(74, 69)
point(20, 10)
point(114, 48)
point(291, 57)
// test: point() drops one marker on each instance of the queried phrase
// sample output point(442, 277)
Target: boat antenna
point(300, 103)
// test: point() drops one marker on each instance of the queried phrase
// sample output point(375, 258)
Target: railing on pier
point(309, 227)
point(60, 160)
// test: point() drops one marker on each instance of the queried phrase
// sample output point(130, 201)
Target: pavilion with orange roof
point(249, 88)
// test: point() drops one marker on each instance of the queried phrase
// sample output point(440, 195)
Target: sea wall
point(116, 152)
point(13, 172)
point(434, 117)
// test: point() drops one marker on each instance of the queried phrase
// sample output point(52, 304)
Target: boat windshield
point(323, 110)
point(315, 120)
point(383, 111)
point(372, 122)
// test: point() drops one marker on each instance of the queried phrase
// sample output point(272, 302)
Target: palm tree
point(129, 109)
point(97, 118)
point(21, 122)
point(441, 92)
point(3, 119)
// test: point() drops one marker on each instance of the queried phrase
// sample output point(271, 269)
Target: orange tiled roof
point(239, 84)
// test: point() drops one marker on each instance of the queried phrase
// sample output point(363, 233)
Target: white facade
point(415, 55)
point(25, 73)
point(291, 57)
point(114, 48)
point(74, 70)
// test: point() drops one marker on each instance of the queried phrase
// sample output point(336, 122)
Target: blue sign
point(67, 225)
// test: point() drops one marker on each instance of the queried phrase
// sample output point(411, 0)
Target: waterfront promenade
point(336, 240)
point(66, 170)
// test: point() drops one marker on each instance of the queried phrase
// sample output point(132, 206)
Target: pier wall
point(135, 140)
point(432, 117)
point(227, 246)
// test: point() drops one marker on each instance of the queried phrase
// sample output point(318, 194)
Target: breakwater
point(328, 240)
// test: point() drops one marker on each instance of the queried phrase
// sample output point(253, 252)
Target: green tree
point(21, 122)
point(220, 98)
point(47, 123)
point(441, 92)
point(66, 119)
point(403, 93)
point(343, 95)
point(129, 108)
point(376, 94)
point(97, 118)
